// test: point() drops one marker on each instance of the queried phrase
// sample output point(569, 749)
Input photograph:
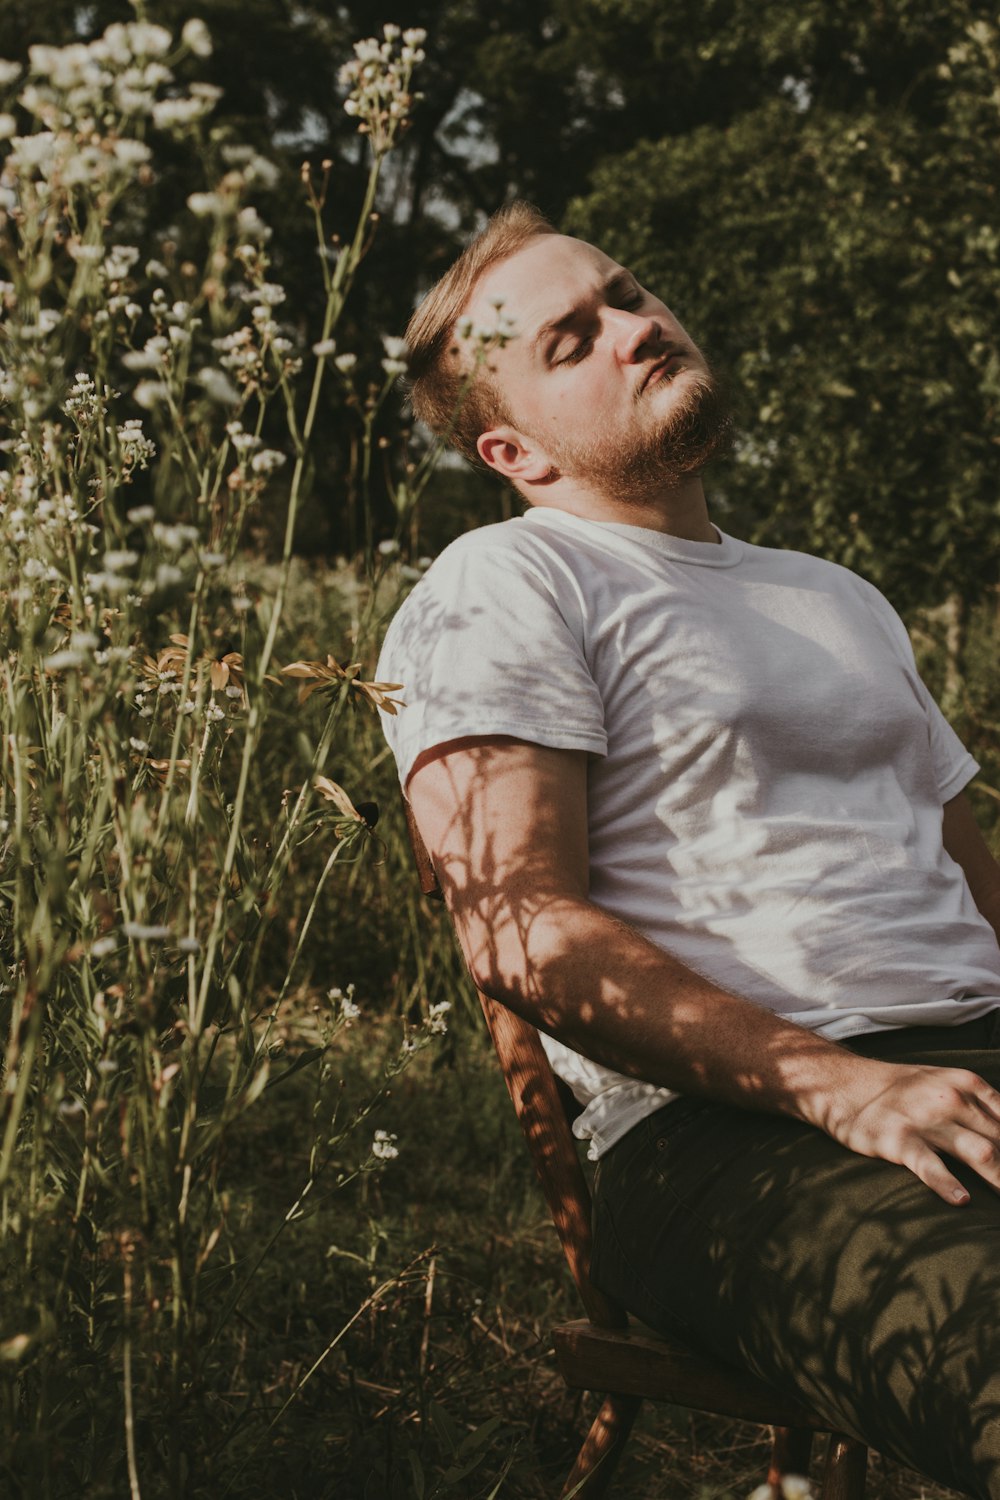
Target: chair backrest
point(542, 1113)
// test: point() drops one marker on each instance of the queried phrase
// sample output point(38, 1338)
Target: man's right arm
point(506, 825)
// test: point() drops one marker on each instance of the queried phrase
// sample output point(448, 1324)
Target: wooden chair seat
point(606, 1351)
point(636, 1361)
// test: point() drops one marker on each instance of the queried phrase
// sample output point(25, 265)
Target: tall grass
point(171, 819)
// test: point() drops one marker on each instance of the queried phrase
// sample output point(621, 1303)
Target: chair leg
point(602, 1448)
point(844, 1476)
point(790, 1450)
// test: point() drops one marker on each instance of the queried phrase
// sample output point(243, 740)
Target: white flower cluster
point(384, 1146)
point(344, 1000)
point(791, 1487)
point(395, 355)
point(83, 403)
point(87, 96)
point(135, 447)
point(436, 1022)
point(378, 80)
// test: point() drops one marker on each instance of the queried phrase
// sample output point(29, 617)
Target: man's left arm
point(968, 849)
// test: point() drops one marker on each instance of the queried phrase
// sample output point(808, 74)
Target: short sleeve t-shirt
point(767, 769)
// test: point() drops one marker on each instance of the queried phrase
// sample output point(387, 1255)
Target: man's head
point(600, 386)
point(437, 361)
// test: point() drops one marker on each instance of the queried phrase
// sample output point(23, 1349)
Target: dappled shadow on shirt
point(838, 1279)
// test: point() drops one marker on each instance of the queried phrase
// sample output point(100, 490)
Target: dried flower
point(316, 675)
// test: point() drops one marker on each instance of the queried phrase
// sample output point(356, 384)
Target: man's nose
point(637, 336)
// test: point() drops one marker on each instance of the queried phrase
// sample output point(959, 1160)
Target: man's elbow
point(518, 962)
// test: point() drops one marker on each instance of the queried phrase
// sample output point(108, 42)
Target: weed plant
point(170, 824)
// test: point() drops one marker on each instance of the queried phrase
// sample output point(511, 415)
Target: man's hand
point(506, 825)
point(909, 1113)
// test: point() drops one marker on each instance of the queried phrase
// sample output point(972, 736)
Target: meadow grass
point(266, 1227)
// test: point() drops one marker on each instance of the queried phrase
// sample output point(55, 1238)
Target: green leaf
point(310, 1055)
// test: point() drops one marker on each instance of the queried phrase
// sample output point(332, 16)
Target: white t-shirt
point(767, 768)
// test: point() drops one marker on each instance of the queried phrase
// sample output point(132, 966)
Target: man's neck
point(680, 511)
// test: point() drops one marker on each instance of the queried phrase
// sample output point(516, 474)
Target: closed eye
point(574, 357)
point(628, 298)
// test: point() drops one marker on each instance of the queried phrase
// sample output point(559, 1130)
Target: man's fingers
point(986, 1098)
point(979, 1152)
point(934, 1174)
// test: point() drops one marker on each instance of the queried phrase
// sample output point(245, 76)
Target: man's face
point(601, 376)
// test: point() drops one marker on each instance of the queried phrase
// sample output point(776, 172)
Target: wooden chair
point(606, 1351)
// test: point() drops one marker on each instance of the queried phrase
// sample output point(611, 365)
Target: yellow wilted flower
point(316, 675)
point(224, 671)
point(336, 794)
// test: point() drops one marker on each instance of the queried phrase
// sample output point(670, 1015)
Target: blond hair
point(436, 369)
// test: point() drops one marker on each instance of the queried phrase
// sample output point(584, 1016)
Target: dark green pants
point(830, 1275)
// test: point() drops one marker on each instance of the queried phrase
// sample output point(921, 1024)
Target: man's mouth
point(664, 368)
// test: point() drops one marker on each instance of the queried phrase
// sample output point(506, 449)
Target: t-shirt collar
point(722, 554)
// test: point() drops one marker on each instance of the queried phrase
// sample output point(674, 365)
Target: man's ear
point(514, 456)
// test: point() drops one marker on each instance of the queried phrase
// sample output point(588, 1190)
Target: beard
point(632, 466)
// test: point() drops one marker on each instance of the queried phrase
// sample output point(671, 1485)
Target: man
point(698, 819)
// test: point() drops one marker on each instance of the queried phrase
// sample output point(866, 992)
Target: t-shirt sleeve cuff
point(964, 771)
point(415, 739)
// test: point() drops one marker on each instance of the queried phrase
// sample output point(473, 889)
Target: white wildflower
point(196, 37)
point(10, 72)
point(85, 255)
point(266, 461)
point(136, 447)
point(325, 349)
point(345, 363)
point(129, 153)
point(103, 946)
point(140, 514)
point(259, 172)
point(206, 205)
point(142, 746)
point(120, 259)
point(148, 393)
point(388, 548)
point(144, 932)
point(8, 126)
point(62, 661)
point(437, 1025)
point(349, 1010)
point(415, 36)
point(394, 367)
point(156, 270)
point(251, 226)
point(795, 1487)
point(395, 348)
point(147, 40)
point(384, 1145)
point(170, 112)
point(174, 537)
point(115, 561)
point(217, 386)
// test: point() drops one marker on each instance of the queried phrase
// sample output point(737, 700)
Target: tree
point(835, 247)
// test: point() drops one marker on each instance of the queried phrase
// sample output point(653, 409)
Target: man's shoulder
point(790, 563)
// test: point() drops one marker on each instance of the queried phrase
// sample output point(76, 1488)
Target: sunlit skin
point(595, 356)
point(506, 820)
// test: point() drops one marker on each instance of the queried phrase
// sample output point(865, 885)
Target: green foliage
point(836, 251)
